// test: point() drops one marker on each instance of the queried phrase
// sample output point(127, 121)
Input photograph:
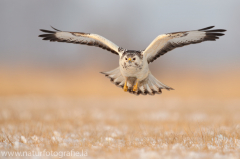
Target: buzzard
point(133, 74)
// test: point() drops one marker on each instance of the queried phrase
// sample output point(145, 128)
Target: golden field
point(63, 111)
point(221, 84)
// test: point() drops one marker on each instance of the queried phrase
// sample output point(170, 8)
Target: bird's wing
point(80, 38)
point(167, 42)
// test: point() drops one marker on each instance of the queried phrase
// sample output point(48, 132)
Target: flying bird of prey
point(133, 74)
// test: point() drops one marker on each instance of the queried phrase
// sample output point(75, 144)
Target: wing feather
point(167, 42)
point(80, 38)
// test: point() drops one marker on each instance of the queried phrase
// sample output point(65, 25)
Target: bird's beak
point(129, 60)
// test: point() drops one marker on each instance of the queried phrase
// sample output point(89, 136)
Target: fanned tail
point(150, 85)
point(115, 77)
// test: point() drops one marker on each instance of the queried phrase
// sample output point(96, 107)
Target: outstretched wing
point(167, 42)
point(81, 38)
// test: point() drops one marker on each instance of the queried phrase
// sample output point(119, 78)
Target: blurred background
point(52, 96)
point(30, 66)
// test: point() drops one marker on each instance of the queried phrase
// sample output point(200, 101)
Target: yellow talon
point(135, 87)
point(125, 88)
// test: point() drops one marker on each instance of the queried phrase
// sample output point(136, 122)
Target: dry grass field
point(42, 114)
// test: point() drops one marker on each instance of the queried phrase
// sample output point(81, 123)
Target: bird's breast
point(133, 70)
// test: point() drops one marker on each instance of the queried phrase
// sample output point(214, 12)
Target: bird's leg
point(125, 88)
point(135, 87)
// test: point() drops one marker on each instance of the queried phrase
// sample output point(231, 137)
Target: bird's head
point(131, 58)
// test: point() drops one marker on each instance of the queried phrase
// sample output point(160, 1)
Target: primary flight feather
point(133, 74)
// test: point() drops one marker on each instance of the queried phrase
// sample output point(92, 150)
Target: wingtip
point(47, 31)
point(55, 28)
point(210, 27)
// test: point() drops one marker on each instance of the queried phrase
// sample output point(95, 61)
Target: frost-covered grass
point(132, 127)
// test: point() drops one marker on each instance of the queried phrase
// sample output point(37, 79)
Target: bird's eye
point(134, 58)
point(125, 58)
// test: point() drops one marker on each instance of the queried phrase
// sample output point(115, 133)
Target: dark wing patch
point(210, 35)
point(80, 38)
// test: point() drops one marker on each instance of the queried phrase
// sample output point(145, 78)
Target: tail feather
point(115, 76)
point(153, 86)
point(150, 85)
point(112, 72)
point(148, 89)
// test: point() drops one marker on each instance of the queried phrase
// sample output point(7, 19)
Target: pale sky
point(131, 24)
